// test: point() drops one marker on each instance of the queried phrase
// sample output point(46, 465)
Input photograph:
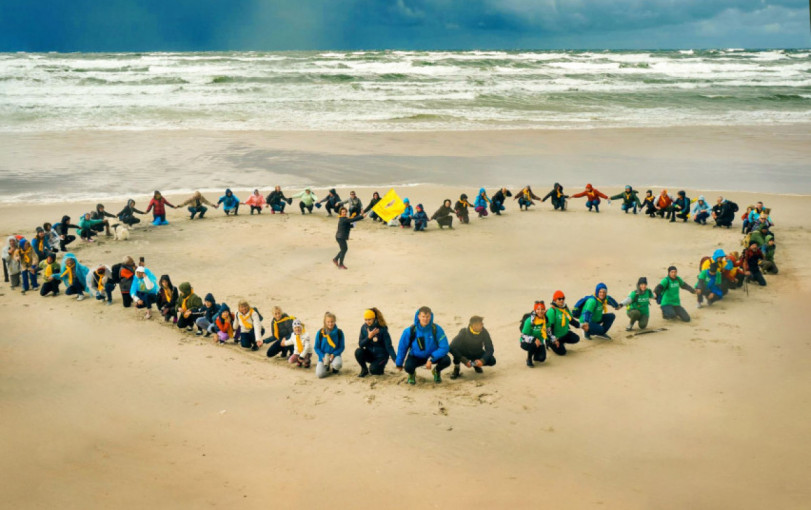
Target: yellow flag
point(389, 206)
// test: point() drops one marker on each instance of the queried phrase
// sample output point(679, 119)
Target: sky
point(278, 25)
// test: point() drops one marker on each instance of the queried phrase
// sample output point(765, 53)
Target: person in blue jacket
point(425, 344)
point(230, 203)
point(144, 290)
point(481, 203)
point(329, 345)
point(74, 276)
point(406, 215)
point(701, 210)
point(681, 207)
point(420, 219)
point(206, 323)
point(595, 320)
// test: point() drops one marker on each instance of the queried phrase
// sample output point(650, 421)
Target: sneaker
point(456, 372)
point(254, 347)
point(108, 303)
point(342, 267)
point(199, 332)
point(334, 371)
point(478, 370)
point(437, 377)
point(80, 297)
point(412, 379)
point(208, 334)
point(189, 328)
point(629, 328)
point(603, 336)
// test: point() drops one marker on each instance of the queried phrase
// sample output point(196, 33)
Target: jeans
point(419, 225)
point(702, 217)
point(28, 276)
point(595, 204)
point(627, 207)
point(108, 292)
point(342, 253)
point(755, 275)
point(147, 298)
point(198, 210)
point(602, 327)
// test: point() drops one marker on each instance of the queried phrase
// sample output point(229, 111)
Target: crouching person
point(329, 345)
point(50, 276)
point(534, 334)
point(472, 347)
point(144, 290)
point(423, 344)
point(188, 307)
point(299, 340)
point(374, 344)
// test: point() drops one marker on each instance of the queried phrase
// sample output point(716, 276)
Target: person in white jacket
point(144, 290)
point(250, 327)
point(98, 281)
point(302, 347)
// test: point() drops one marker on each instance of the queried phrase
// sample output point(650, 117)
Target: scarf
point(299, 344)
point(602, 302)
point(183, 304)
point(564, 315)
point(246, 326)
point(167, 294)
point(69, 272)
point(42, 245)
point(25, 255)
point(100, 279)
point(328, 337)
point(472, 332)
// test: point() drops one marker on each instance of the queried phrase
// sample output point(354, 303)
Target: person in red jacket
point(593, 197)
point(158, 207)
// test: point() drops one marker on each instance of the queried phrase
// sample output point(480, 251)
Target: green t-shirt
point(558, 319)
point(670, 294)
point(640, 301)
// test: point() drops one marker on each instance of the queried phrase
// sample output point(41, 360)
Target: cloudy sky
point(202, 25)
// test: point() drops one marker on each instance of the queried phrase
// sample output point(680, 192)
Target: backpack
point(259, 314)
point(413, 334)
point(523, 320)
point(703, 261)
point(578, 307)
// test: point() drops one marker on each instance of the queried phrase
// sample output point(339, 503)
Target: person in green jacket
point(630, 200)
point(86, 224)
point(534, 334)
point(667, 295)
point(558, 318)
point(767, 265)
point(709, 285)
point(306, 200)
point(189, 307)
point(638, 304)
point(596, 320)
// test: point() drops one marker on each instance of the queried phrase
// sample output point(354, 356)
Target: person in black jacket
point(498, 199)
point(167, 299)
point(332, 200)
point(373, 202)
point(127, 214)
point(280, 330)
point(277, 201)
point(100, 214)
point(62, 228)
point(342, 235)
point(374, 344)
point(681, 207)
point(473, 347)
point(723, 212)
point(557, 196)
point(444, 215)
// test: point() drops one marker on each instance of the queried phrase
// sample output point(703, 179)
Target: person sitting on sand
point(444, 215)
point(52, 235)
point(638, 304)
point(158, 207)
point(497, 203)
point(664, 205)
point(211, 310)
point(123, 273)
point(420, 219)
point(256, 202)
point(481, 203)
point(630, 199)
point(74, 276)
point(281, 327)
point(144, 290)
point(225, 326)
point(127, 214)
point(188, 307)
point(299, 342)
point(306, 200)
point(50, 276)
point(100, 283)
point(681, 207)
point(277, 201)
point(407, 215)
point(423, 344)
point(472, 347)
point(596, 322)
point(374, 344)
point(249, 322)
point(167, 299)
point(353, 205)
point(329, 345)
point(593, 197)
point(752, 257)
point(535, 334)
point(461, 209)
point(525, 198)
point(230, 203)
point(331, 202)
point(29, 264)
point(667, 295)
point(709, 285)
point(373, 202)
point(558, 318)
point(557, 196)
point(196, 205)
point(701, 210)
point(101, 214)
point(723, 212)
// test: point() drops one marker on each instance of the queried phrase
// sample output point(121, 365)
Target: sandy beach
point(103, 409)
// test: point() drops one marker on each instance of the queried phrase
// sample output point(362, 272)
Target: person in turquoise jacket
point(701, 210)
point(230, 203)
point(329, 345)
point(481, 203)
point(407, 215)
point(595, 320)
point(423, 344)
point(74, 276)
point(144, 289)
point(86, 224)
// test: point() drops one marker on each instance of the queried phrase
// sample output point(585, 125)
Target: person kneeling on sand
point(709, 285)
point(50, 276)
point(525, 197)
point(230, 203)
point(144, 290)
point(423, 344)
point(751, 263)
point(329, 346)
point(281, 327)
point(74, 276)
point(374, 344)
point(638, 304)
point(420, 219)
point(444, 215)
point(535, 334)
point(195, 205)
point(558, 318)
point(158, 207)
point(461, 209)
point(249, 322)
point(188, 308)
point(596, 321)
point(472, 347)
point(667, 295)
point(299, 341)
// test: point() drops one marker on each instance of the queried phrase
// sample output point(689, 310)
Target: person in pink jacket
point(256, 201)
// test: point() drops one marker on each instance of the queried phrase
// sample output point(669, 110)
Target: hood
point(224, 308)
point(166, 277)
point(417, 319)
point(210, 298)
point(482, 191)
point(332, 191)
point(463, 197)
point(419, 207)
point(228, 192)
point(600, 286)
point(628, 187)
point(718, 254)
point(588, 187)
point(22, 243)
point(557, 185)
point(702, 199)
point(405, 201)
point(185, 288)
point(65, 219)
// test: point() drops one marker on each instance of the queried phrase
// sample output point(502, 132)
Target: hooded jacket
point(79, 272)
point(94, 282)
point(556, 194)
point(42, 246)
point(196, 201)
point(229, 200)
point(306, 199)
point(255, 200)
point(592, 194)
point(275, 198)
point(481, 199)
point(425, 344)
point(331, 342)
point(382, 349)
point(332, 198)
point(158, 206)
point(212, 312)
point(148, 284)
point(420, 215)
point(167, 298)
point(26, 255)
point(189, 300)
point(629, 198)
point(527, 194)
point(701, 206)
point(408, 212)
point(594, 308)
point(129, 210)
point(442, 212)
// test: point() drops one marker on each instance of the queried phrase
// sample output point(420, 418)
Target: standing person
point(281, 327)
point(667, 295)
point(472, 347)
point(41, 244)
point(373, 202)
point(188, 307)
point(481, 203)
point(681, 207)
point(557, 196)
point(101, 214)
point(595, 319)
point(250, 327)
point(196, 205)
point(99, 282)
point(630, 199)
point(420, 219)
point(230, 203)
point(593, 197)
point(167, 299)
point(50, 275)
point(638, 304)
point(74, 276)
point(158, 206)
point(353, 205)
point(123, 274)
point(127, 214)
point(723, 212)
point(751, 263)
point(664, 205)
point(558, 317)
point(374, 344)
point(535, 334)
point(342, 236)
point(423, 344)
point(444, 215)
point(306, 200)
point(701, 210)
point(299, 343)
point(497, 203)
point(329, 345)
point(29, 264)
point(332, 200)
point(211, 310)
point(63, 229)
point(277, 201)
point(525, 197)
point(256, 202)
point(407, 214)
point(8, 255)
point(649, 204)
point(461, 207)
point(144, 290)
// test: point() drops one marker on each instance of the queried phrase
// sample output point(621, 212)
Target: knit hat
point(557, 295)
point(297, 323)
point(40, 229)
point(671, 268)
point(405, 200)
point(369, 314)
point(588, 186)
point(641, 280)
point(419, 207)
point(539, 307)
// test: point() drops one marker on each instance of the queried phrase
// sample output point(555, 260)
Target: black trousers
point(5, 271)
point(463, 357)
point(534, 352)
point(341, 254)
point(377, 364)
point(276, 348)
point(446, 221)
point(126, 299)
point(308, 207)
point(412, 362)
point(569, 338)
point(66, 241)
point(48, 287)
point(257, 209)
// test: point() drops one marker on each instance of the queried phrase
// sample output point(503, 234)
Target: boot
point(456, 371)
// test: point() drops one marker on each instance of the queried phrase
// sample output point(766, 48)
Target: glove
point(318, 206)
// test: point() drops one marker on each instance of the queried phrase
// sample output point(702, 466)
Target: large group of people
point(31, 264)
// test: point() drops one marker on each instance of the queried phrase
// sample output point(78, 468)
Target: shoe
point(456, 372)
point(587, 336)
point(478, 370)
point(603, 336)
point(412, 379)
point(208, 334)
point(80, 297)
point(108, 303)
point(363, 372)
point(334, 371)
point(437, 377)
point(342, 267)
point(189, 328)
point(530, 364)
point(336, 263)
point(199, 332)
point(254, 347)
point(629, 328)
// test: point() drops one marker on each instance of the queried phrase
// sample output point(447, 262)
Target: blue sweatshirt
point(228, 202)
point(322, 346)
point(139, 284)
point(481, 199)
point(432, 347)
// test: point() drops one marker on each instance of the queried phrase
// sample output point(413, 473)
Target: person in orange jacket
point(593, 197)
